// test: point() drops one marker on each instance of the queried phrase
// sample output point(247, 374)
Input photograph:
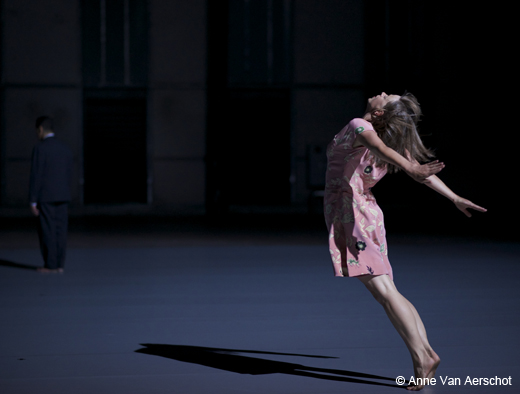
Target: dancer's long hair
point(397, 128)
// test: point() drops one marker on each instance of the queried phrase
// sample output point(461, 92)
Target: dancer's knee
point(381, 287)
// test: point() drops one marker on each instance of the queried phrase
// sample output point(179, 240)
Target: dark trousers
point(52, 232)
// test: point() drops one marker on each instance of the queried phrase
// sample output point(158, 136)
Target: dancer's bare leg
point(407, 322)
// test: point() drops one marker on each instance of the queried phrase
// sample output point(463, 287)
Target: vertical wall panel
point(328, 42)
point(178, 43)
point(115, 42)
point(41, 42)
point(177, 107)
point(41, 75)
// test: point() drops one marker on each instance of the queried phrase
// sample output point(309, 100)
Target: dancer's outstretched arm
point(424, 173)
point(440, 187)
point(462, 204)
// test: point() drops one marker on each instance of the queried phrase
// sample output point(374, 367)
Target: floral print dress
point(357, 240)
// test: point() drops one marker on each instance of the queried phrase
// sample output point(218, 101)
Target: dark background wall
point(454, 59)
point(225, 106)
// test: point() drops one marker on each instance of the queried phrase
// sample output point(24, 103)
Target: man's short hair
point(45, 122)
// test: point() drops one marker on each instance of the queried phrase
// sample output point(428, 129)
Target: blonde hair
point(397, 128)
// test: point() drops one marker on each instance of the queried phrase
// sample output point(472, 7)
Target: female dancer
point(384, 140)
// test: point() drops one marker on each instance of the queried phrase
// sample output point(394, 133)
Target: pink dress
point(357, 241)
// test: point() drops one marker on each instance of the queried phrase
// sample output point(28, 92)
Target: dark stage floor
point(182, 308)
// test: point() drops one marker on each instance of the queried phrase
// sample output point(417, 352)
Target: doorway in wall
point(115, 150)
point(249, 104)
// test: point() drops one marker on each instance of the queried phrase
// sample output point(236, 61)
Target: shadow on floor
point(225, 359)
point(6, 263)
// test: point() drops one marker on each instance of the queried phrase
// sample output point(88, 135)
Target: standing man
point(49, 193)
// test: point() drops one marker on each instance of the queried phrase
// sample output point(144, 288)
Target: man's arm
point(35, 179)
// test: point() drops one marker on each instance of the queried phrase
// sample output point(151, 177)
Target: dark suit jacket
point(51, 171)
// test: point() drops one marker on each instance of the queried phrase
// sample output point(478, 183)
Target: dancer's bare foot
point(422, 371)
point(436, 362)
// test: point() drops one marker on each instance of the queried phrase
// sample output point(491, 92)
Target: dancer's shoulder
point(358, 125)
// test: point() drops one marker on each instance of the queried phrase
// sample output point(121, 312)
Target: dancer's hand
point(420, 172)
point(463, 205)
